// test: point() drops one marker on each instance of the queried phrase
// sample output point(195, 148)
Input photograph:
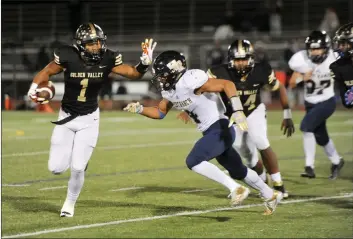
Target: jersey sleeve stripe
point(210, 74)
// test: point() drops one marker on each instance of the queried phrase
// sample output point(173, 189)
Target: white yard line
point(198, 190)
point(126, 189)
point(51, 188)
point(87, 226)
point(15, 185)
point(116, 147)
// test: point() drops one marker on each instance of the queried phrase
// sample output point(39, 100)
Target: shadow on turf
point(30, 204)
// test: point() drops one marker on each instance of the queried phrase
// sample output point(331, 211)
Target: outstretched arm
point(156, 112)
point(136, 72)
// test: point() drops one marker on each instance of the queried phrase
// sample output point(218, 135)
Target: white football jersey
point(320, 87)
point(204, 109)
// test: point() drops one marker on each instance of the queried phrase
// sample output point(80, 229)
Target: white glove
point(134, 108)
point(147, 51)
point(240, 119)
point(32, 93)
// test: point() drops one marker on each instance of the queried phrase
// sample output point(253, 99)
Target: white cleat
point(272, 203)
point(67, 210)
point(238, 195)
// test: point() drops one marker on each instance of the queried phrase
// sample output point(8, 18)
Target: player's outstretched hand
point(147, 51)
point(348, 96)
point(183, 116)
point(240, 119)
point(134, 108)
point(288, 127)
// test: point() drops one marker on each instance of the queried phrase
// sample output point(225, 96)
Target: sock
point(75, 185)
point(211, 171)
point(331, 152)
point(309, 148)
point(263, 175)
point(276, 177)
point(254, 181)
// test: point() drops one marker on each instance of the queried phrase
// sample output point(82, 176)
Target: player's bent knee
point(262, 144)
point(305, 127)
point(192, 161)
point(56, 168)
point(322, 140)
point(238, 173)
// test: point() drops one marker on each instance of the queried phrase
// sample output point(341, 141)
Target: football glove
point(348, 96)
point(147, 51)
point(240, 119)
point(136, 108)
point(287, 123)
point(32, 93)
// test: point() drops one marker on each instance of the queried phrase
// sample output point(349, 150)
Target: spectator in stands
point(330, 22)
point(121, 89)
point(216, 55)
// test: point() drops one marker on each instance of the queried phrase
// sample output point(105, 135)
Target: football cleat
point(335, 169)
point(272, 203)
point(238, 195)
point(67, 210)
point(309, 172)
point(278, 186)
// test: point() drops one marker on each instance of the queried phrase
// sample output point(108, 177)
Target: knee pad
point(58, 165)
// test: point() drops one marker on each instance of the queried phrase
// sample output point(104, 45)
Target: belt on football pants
point(65, 120)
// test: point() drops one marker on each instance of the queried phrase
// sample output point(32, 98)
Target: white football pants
point(72, 144)
point(247, 143)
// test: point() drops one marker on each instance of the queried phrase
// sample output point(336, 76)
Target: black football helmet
point(318, 40)
point(343, 40)
point(90, 33)
point(241, 50)
point(167, 69)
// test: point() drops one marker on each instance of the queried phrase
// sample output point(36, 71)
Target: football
point(46, 90)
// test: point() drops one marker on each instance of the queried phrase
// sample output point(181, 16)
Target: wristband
point(141, 68)
point(236, 103)
point(287, 114)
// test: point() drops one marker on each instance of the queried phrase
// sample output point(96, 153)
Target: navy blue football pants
point(217, 143)
point(315, 118)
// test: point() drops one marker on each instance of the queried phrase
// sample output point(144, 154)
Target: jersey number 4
point(193, 116)
point(82, 96)
point(250, 102)
point(311, 86)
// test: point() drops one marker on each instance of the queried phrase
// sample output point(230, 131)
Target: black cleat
point(280, 187)
point(335, 169)
point(309, 172)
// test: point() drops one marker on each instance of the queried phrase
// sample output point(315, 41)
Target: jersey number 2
point(82, 96)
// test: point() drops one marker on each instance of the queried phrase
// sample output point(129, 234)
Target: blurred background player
point(86, 65)
point(249, 78)
point(194, 92)
point(342, 69)
point(312, 67)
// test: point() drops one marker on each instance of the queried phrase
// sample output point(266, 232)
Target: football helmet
point(343, 40)
point(90, 33)
point(241, 50)
point(318, 40)
point(167, 69)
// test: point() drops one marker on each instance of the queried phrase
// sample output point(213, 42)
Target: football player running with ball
point(86, 65)
point(312, 67)
point(194, 92)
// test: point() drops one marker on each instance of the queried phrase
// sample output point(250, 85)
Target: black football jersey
point(248, 86)
point(82, 82)
point(342, 73)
